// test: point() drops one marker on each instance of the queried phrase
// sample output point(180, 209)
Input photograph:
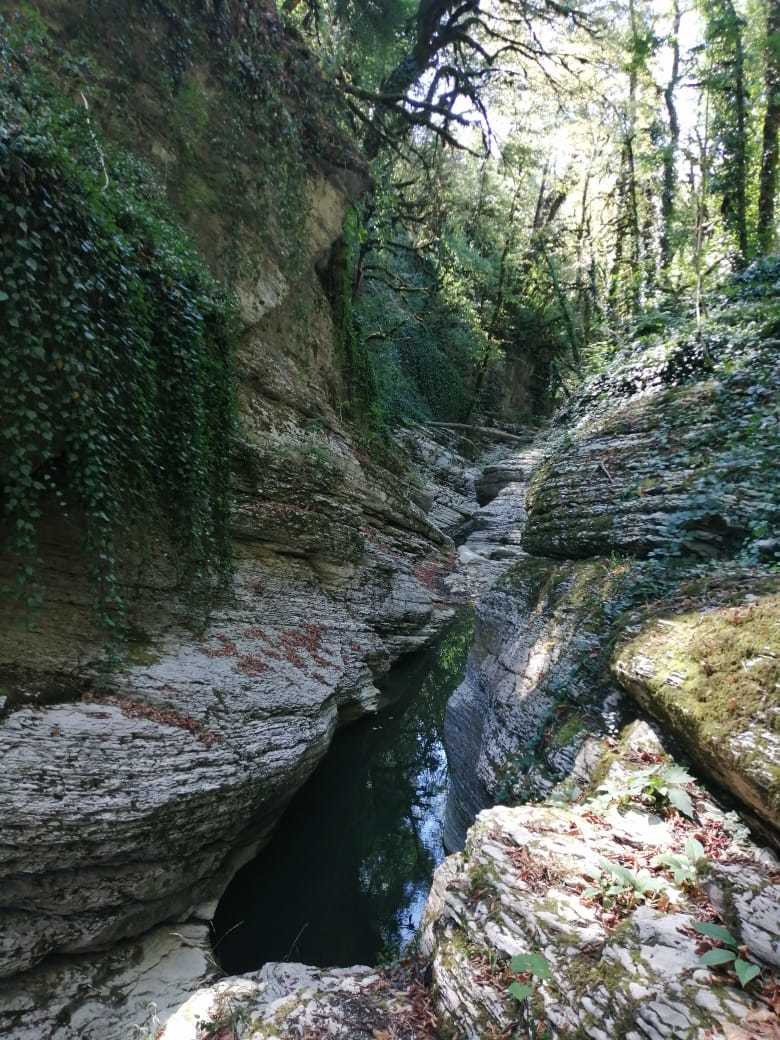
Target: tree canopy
point(547, 177)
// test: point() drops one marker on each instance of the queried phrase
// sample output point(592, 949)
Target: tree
point(769, 141)
point(725, 80)
point(670, 152)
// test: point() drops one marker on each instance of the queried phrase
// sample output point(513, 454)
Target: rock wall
point(650, 594)
point(131, 794)
point(535, 690)
point(648, 510)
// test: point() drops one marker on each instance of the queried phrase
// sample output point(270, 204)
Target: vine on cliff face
point(116, 385)
point(354, 358)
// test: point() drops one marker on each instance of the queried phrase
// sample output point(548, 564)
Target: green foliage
point(684, 866)
point(535, 968)
point(422, 350)
point(719, 956)
point(355, 360)
point(363, 37)
point(661, 788)
point(458, 320)
point(725, 80)
point(614, 884)
point(116, 393)
point(532, 963)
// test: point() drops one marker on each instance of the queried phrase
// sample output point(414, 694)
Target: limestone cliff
point(652, 589)
point(131, 795)
point(647, 517)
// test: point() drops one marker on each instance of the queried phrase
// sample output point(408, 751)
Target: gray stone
point(521, 885)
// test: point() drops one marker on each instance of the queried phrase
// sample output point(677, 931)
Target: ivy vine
point(116, 374)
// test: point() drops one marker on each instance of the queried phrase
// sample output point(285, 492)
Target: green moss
point(141, 656)
point(354, 358)
point(191, 113)
point(566, 733)
point(229, 106)
point(727, 659)
point(714, 676)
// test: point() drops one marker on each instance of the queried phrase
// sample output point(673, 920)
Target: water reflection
point(345, 878)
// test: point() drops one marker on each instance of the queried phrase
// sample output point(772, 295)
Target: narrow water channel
point(345, 877)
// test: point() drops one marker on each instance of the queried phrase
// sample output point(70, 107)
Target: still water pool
point(345, 877)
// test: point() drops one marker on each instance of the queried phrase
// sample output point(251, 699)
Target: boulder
point(580, 886)
point(288, 1001)
point(709, 672)
point(496, 477)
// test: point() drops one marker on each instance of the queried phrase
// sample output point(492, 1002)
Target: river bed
point(346, 874)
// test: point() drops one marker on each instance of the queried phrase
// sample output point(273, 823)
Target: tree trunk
point(670, 152)
point(740, 157)
point(769, 146)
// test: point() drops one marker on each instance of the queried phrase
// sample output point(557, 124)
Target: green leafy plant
point(116, 374)
point(666, 787)
point(615, 884)
point(660, 788)
point(537, 969)
point(726, 955)
point(533, 964)
point(684, 865)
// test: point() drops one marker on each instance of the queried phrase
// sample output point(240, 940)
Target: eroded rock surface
point(626, 965)
point(287, 1001)
point(132, 798)
point(671, 463)
point(495, 477)
point(536, 693)
point(655, 458)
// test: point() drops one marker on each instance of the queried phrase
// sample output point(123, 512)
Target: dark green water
point(346, 875)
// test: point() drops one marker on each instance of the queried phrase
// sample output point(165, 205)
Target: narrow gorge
point(390, 626)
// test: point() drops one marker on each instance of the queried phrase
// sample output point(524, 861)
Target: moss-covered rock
point(674, 450)
point(710, 673)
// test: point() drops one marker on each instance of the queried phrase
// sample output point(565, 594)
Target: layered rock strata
point(582, 887)
point(663, 465)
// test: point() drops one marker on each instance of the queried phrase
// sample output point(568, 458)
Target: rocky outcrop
point(494, 478)
point(658, 455)
point(671, 455)
point(581, 886)
point(292, 1000)
point(709, 670)
point(535, 689)
point(130, 794)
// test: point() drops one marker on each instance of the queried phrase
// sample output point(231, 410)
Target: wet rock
point(130, 799)
point(494, 531)
point(446, 476)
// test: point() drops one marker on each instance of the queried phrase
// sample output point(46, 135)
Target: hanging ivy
point(116, 384)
